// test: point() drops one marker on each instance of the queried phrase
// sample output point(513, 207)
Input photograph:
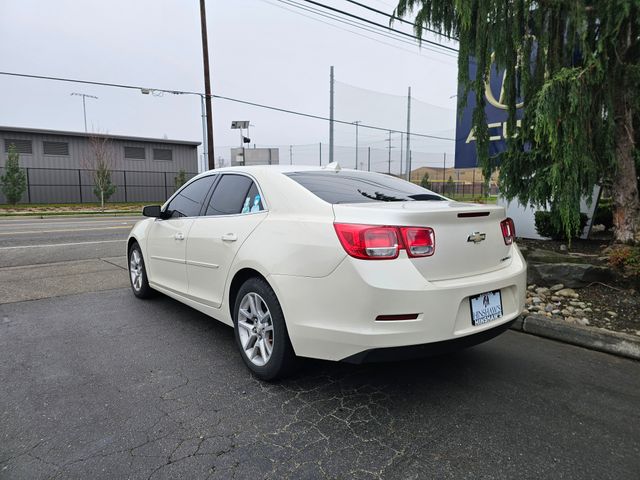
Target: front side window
point(189, 200)
point(360, 187)
point(235, 194)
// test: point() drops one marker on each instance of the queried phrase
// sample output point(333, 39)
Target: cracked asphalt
point(99, 384)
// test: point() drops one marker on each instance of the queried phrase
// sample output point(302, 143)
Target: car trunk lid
point(468, 237)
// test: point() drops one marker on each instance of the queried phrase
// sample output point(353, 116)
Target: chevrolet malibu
point(330, 263)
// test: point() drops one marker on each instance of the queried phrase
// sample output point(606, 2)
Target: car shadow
point(463, 368)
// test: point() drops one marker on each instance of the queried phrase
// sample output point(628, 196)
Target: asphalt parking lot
point(98, 384)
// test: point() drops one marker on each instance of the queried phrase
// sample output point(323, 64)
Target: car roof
point(275, 168)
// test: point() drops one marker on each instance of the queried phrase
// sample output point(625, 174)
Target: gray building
point(59, 165)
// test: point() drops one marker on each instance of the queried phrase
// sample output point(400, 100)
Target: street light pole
point(356, 123)
point(84, 105)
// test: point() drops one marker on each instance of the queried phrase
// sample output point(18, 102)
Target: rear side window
point(189, 200)
point(360, 187)
point(234, 194)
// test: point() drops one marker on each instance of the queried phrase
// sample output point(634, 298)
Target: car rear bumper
point(390, 354)
point(334, 317)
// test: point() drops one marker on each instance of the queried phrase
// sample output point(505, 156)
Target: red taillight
point(371, 242)
point(418, 241)
point(368, 241)
point(508, 231)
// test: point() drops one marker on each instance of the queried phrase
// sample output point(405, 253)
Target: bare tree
point(100, 162)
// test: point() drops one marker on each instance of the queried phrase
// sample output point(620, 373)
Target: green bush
point(548, 224)
point(14, 180)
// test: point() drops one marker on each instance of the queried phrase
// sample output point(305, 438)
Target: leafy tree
point(181, 178)
point(14, 180)
point(576, 67)
point(425, 183)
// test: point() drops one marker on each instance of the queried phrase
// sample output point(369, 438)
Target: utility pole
point(84, 106)
point(368, 159)
point(401, 142)
point(331, 115)
point(389, 140)
point(290, 154)
point(444, 171)
point(409, 134)
point(356, 124)
point(320, 145)
point(207, 84)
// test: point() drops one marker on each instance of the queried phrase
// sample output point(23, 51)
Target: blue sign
point(496, 113)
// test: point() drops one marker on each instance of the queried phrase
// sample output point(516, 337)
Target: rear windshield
point(360, 187)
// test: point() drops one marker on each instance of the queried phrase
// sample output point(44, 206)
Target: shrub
point(548, 224)
point(14, 180)
point(181, 178)
point(425, 183)
point(626, 258)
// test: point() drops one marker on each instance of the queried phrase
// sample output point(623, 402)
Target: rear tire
point(261, 332)
point(138, 273)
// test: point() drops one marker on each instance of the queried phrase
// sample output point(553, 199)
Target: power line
point(392, 17)
point(379, 25)
point(220, 97)
point(337, 18)
point(318, 117)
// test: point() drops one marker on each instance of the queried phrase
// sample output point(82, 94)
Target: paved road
point(102, 385)
point(98, 384)
point(29, 241)
point(42, 258)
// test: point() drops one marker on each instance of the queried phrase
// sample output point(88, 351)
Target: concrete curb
point(598, 339)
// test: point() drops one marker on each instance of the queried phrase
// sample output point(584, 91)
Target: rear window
point(360, 187)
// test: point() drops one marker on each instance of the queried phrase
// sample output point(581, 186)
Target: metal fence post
point(124, 172)
point(80, 184)
point(28, 188)
point(166, 193)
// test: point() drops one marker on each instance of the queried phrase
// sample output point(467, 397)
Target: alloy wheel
point(135, 270)
point(255, 329)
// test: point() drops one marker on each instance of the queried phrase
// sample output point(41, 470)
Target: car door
point(166, 243)
point(234, 210)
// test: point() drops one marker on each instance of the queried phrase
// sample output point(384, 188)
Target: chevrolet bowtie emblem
point(476, 237)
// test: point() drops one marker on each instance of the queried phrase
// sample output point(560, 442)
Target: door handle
point(229, 237)
point(179, 236)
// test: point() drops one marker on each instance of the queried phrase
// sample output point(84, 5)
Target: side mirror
point(152, 211)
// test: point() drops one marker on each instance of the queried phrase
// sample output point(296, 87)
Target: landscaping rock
point(566, 292)
point(572, 275)
point(556, 287)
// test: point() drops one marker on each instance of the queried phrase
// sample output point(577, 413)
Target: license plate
point(485, 307)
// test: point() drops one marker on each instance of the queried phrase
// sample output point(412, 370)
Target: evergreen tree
point(450, 185)
point(576, 67)
point(425, 183)
point(14, 180)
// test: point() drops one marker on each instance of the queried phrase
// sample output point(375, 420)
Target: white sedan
point(330, 263)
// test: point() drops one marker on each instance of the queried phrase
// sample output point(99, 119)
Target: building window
point(162, 154)
point(56, 148)
point(136, 153)
point(23, 146)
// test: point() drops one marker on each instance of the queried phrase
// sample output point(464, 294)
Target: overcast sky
point(261, 50)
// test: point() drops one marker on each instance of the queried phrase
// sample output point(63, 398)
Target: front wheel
point(138, 273)
point(261, 332)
